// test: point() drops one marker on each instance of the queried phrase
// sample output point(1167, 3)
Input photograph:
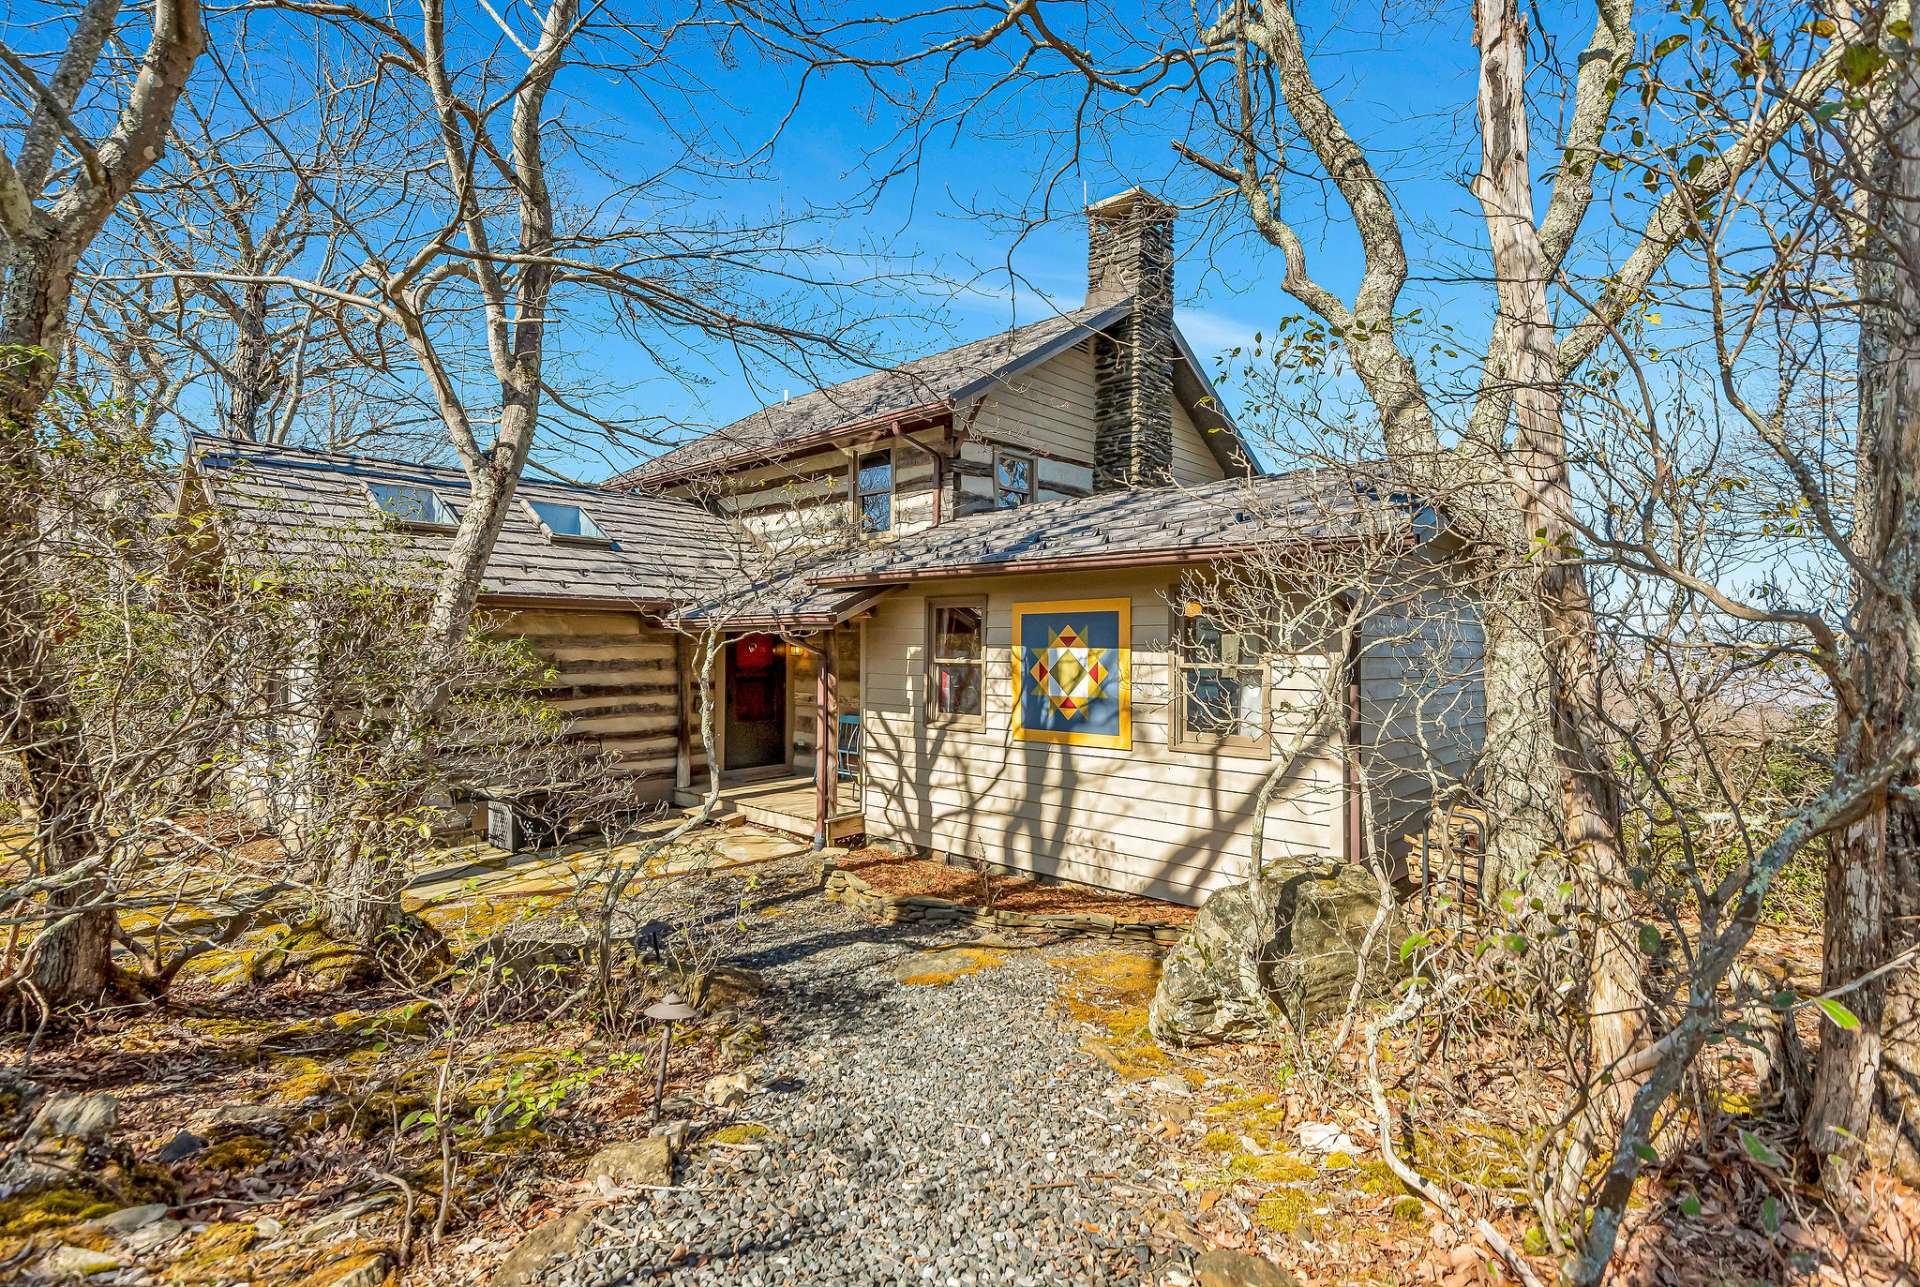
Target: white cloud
point(1211, 333)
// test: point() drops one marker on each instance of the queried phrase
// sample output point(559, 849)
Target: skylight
point(566, 522)
point(412, 505)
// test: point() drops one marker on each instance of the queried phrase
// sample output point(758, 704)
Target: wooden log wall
point(617, 680)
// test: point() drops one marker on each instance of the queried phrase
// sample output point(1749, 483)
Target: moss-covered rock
point(1284, 949)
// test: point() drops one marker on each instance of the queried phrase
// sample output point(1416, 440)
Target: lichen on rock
point(1280, 950)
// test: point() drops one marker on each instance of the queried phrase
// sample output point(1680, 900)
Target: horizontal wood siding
point(1193, 460)
point(1422, 700)
point(1049, 410)
point(616, 679)
point(1154, 820)
point(806, 500)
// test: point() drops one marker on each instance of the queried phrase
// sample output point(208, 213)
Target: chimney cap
point(1122, 202)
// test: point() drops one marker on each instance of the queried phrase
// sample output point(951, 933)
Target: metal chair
point(847, 750)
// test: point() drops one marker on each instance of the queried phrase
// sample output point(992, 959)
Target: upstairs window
point(564, 522)
point(413, 505)
point(1012, 480)
point(873, 491)
point(1220, 684)
point(956, 660)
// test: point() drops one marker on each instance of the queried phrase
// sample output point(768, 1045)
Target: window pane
point(876, 473)
point(876, 512)
point(410, 503)
point(1203, 640)
point(1015, 473)
point(567, 520)
point(956, 688)
point(1220, 702)
point(956, 633)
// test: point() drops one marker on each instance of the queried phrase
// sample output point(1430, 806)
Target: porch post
point(825, 738)
point(683, 731)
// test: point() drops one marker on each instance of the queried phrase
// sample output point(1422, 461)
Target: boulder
point(64, 1262)
point(128, 1219)
point(714, 987)
point(1282, 950)
point(634, 1164)
point(543, 1250)
point(85, 1118)
point(1238, 1269)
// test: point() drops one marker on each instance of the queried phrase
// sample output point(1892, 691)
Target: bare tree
point(469, 284)
point(49, 216)
point(272, 362)
point(1867, 1087)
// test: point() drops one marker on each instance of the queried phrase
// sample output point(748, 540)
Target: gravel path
point(950, 1134)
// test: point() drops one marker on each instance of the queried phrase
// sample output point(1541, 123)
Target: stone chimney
point(1130, 258)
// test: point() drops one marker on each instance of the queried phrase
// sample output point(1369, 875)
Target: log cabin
point(958, 607)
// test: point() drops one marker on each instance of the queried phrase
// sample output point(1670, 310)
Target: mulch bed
point(898, 874)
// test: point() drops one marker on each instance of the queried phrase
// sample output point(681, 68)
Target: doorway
point(755, 734)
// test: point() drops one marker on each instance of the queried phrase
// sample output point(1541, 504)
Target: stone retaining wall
point(843, 886)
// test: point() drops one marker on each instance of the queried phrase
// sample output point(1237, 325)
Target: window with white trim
point(565, 522)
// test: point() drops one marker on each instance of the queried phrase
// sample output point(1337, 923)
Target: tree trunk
point(1543, 496)
point(1520, 780)
point(39, 249)
point(73, 961)
point(1866, 1100)
point(246, 391)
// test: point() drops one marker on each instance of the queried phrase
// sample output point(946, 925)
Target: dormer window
point(565, 522)
point(413, 505)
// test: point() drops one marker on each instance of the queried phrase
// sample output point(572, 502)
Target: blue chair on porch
point(847, 749)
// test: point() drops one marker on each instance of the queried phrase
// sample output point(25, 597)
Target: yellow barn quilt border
point(1029, 671)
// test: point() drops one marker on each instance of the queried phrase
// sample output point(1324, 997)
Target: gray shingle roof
point(291, 504)
point(932, 382)
point(1141, 526)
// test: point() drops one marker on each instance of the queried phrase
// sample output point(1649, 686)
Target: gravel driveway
point(936, 1134)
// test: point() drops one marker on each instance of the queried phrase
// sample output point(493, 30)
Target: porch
point(786, 804)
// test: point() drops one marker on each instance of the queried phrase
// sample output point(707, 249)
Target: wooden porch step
point(788, 811)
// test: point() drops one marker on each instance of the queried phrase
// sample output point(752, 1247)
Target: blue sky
point(957, 218)
point(983, 230)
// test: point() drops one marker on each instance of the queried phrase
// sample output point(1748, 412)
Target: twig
point(404, 1254)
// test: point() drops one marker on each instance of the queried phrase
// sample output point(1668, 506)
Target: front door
point(756, 704)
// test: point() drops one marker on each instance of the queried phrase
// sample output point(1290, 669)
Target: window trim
point(410, 524)
point(855, 495)
point(562, 538)
point(1182, 738)
point(930, 717)
point(1033, 477)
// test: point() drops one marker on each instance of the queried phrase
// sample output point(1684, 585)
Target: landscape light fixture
point(668, 1010)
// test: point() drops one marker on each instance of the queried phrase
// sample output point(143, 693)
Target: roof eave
point(747, 457)
point(1039, 353)
point(1169, 557)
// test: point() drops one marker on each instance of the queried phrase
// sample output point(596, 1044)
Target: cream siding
point(1422, 700)
point(1049, 410)
point(1153, 819)
point(807, 500)
point(1193, 460)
